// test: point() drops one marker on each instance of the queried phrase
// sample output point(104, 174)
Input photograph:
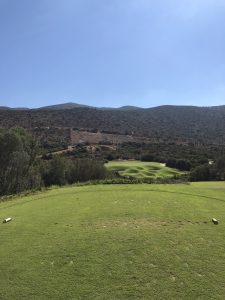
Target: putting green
point(140, 170)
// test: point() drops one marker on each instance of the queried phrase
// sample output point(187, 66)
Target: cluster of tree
point(19, 169)
point(147, 157)
point(21, 166)
point(178, 156)
point(60, 171)
point(207, 172)
point(179, 164)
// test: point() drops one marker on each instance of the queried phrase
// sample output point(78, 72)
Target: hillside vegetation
point(114, 242)
point(165, 123)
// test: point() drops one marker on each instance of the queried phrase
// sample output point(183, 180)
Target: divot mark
point(173, 278)
point(152, 265)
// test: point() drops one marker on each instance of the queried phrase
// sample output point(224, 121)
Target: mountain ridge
point(70, 105)
point(73, 105)
point(186, 124)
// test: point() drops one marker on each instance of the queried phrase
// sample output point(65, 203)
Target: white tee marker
point(7, 220)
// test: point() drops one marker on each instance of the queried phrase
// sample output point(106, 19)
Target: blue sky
point(112, 52)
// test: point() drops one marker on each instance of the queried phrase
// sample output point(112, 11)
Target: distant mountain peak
point(71, 105)
point(13, 108)
point(67, 105)
point(129, 107)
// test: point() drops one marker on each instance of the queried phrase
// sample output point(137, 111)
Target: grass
point(115, 242)
point(140, 170)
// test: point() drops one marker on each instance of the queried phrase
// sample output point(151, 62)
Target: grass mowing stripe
point(121, 190)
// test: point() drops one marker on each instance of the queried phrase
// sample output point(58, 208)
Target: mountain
point(71, 105)
point(4, 107)
point(129, 107)
point(68, 105)
point(170, 124)
point(13, 108)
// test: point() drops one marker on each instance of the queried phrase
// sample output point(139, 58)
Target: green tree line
point(21, 167)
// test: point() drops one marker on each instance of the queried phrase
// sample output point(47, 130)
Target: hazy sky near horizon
point(112, 52)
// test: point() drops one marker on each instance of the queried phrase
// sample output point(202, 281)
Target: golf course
point(139, 170)
point(104, 242)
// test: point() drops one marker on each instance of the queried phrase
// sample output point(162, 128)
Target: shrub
point(81, 170)
point(54, 172)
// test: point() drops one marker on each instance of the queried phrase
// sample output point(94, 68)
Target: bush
point(147, 158)
point(208, 172)
point(179, 164)
point(201, 173)
point(54, 172)
point(81, 170)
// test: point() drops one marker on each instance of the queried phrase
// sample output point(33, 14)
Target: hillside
point(184, 124)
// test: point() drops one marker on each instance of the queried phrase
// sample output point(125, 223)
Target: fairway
point(115, 242)
point(140, 170)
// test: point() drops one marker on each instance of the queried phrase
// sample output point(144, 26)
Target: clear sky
point(112, 52)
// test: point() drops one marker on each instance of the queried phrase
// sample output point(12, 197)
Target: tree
point(18, 162)
point(201, 173)
point(179, 164)
point(147, 157)
point(220, 167)
point(81, 170)
point(54, 172)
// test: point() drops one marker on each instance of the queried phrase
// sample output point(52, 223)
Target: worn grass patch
point(128, 223)
point(115, 242)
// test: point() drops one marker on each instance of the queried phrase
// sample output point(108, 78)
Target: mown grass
point(140, 170)
point(115, 242)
